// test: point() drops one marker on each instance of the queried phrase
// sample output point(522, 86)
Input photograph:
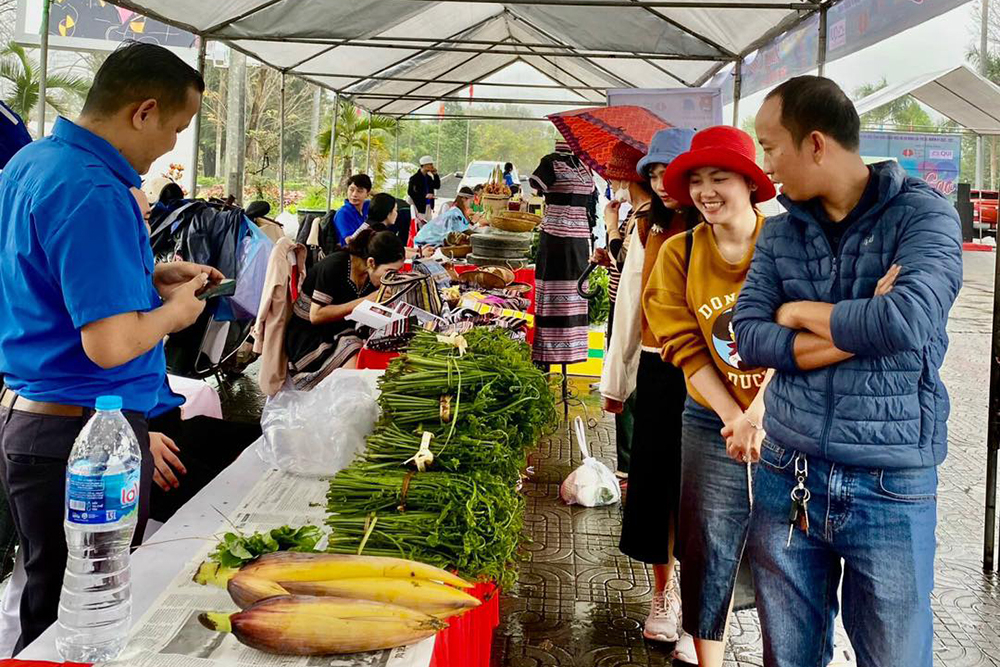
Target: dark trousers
point(34, 450)
point(208, 446)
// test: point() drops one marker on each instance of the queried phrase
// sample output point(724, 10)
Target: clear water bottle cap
point(106, 403)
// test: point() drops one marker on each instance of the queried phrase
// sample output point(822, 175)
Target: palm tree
point(24, 75)
point(352, 135)
point(903, 112)
point(993, 74)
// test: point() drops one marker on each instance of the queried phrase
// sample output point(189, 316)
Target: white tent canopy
point(965, 97)
point(399, 56)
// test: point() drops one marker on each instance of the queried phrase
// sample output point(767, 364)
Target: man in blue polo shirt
point(83, 311)
point(354, 212)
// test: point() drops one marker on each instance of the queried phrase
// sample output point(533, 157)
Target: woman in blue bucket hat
point(633, 363)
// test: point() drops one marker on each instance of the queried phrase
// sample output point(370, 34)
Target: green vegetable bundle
point(493, 387)
point(599, 308)
point(483, 408)
point(471, 522)
point(489, 451)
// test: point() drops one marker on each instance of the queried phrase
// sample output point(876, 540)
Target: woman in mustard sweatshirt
point(689, 300)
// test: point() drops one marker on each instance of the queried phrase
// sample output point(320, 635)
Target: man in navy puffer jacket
point(847, 298)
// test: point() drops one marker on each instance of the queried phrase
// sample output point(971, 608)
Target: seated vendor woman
point(319, 338)
point(458, 218)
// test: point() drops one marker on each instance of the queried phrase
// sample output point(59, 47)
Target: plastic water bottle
point(102, 503)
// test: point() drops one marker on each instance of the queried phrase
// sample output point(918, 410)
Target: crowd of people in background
point(788, 410)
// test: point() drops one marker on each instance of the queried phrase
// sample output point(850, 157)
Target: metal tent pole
point(281, 148)
point(821, 56)
point(993, 425)
point(468, 137)
point(993, 434)
point(396, 177)
point(437, 161)
point(983, 56)
point(368, 161)
point(737, 91)
point(196, 139)
point(44, 69)
point(333, 150)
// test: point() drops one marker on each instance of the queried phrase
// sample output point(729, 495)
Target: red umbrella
point(594, 131)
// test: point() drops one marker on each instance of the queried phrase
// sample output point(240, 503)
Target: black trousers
point(208, 446)
point(34, 450)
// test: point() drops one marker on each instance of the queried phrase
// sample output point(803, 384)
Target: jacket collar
point(72, 133)
point(891, 178)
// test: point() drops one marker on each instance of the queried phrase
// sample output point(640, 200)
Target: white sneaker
point(663, 620)
point(684, 650)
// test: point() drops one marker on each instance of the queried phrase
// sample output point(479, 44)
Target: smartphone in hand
point(225, 288)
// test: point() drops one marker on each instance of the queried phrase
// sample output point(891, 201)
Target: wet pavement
point(580, 602)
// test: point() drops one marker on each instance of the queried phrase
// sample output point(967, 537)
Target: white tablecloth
point(171, 550)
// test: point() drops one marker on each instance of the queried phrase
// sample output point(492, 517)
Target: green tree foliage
point(902, 114)
point(23, 75)
point(521, 142)
point(353, 126)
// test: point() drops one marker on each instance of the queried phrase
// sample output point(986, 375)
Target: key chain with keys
point(798, 515)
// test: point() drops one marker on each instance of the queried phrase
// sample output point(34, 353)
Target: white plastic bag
point(592, 484)
point(319, 433)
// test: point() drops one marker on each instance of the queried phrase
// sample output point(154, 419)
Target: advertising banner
point(694, 108)
point(935, 158)
point(852, 25)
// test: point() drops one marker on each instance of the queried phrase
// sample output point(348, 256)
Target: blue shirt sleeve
point(347, 221)
point(100, 252)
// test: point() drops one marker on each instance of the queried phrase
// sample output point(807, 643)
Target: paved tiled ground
point(580, 602)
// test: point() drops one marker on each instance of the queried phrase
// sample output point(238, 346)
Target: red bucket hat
point(724, 147)
point(622, 163)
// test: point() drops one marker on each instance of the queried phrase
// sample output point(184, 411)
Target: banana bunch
point(317, 603)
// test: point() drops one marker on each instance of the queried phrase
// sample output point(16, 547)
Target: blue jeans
point(712, 525)
point(874, 525)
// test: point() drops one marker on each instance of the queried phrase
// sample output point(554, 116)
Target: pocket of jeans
point(775, 456)
point(908, 484)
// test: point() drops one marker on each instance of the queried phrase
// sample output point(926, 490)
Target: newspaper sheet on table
point(169, 635)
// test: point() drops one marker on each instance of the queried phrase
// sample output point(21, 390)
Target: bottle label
point(101, 499)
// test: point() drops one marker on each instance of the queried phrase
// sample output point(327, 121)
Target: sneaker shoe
point(662, 622)
point(684, 650)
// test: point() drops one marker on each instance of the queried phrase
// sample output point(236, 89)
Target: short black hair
point(381, 206)
point(136, 72)
point(817, 104)
point(478, 188)
point(170, 192)
point(362, 181)
point(508, 167)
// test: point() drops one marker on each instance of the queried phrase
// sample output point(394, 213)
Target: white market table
point(155, 567)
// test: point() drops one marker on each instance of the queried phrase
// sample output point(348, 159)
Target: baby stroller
point(221, 236)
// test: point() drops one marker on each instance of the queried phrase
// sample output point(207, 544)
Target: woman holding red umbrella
point(689, 302)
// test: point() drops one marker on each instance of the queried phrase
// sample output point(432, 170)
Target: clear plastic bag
point(592, 484)
point(320, 432)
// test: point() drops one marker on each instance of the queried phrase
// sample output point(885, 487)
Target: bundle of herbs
point(470, 522)
point(491, 387)
point(467, 451)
